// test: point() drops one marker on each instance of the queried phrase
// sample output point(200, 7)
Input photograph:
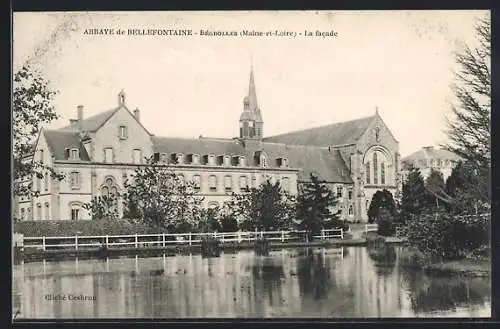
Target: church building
point(97, 154)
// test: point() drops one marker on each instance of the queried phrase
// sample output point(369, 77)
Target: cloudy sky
point(399, 61)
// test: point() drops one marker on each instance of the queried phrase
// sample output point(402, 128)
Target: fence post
point(43, 243)
point(282, 236)
point(76, 242)
point(136, 244)
point(322, 234)
point(107, 241)
point(239, 237)
point(189, 238)
point(261, 234)
point(341, 233)
point(163, 239)
point(222, 237)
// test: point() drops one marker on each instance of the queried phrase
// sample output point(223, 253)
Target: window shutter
point(156, 157)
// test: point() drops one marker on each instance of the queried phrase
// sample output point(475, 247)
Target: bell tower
point(251, 123)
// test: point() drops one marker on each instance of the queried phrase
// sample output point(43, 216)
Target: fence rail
point(165, 239)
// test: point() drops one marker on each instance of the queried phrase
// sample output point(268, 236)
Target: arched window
point(263, 160)
point(375, 168)
point(382, 173)
point(75, 210)
point(213, 204)
point(350, 212)
point(367, 173)
point(47, 211)
point(46, 182)
point(110, 189)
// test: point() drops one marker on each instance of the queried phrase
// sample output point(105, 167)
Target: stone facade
point(97, 154)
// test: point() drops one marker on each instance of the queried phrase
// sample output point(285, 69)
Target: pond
point(304, 282)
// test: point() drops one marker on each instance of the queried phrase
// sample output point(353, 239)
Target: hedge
point(82, 227)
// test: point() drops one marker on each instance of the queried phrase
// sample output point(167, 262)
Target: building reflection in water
point(320, 282)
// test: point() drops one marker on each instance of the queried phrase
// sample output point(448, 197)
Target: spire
point(252, 94)
point(121, 98)
point(376, 110)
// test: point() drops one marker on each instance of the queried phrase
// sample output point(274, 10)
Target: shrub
point(448, 236)
point(228, 223)
point(261, 247)
point(210, 247)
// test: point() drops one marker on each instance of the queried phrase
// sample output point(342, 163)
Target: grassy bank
point(475, 267)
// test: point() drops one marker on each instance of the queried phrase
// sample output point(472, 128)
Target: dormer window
point(164, 157)
point(74, 154)
point(137, 156)
point(123, 132)
point(235, 160)
point(282, 162)
point(227, 160)
point(211, 159)
point(263, 161)
point(242, 161)
point(180, 158)
point(195, 159)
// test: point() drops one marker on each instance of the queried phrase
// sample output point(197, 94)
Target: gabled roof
point(327, 165)
point(340, 133)
point(94, 122)
point(58, 141)
point(431, 153)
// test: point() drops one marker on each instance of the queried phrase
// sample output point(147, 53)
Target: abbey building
point(97, 154)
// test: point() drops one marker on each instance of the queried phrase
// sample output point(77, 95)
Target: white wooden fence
point(165, 239)
point(371, 228)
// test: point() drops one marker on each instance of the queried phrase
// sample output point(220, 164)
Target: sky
point(401, 62)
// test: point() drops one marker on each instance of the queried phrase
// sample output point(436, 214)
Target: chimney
point(137, 114)
point(80, 116)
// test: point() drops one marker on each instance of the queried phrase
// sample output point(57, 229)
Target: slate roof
point(94, 122)
point(334, 134)
point(328, 165)
point(58, 141)
point(431, 153)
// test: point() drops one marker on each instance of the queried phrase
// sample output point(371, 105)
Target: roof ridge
point(323, 126)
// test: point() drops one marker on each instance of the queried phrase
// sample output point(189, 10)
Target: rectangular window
point(38, 184)
point(75, 213)
point(286, 184)
point(213, 183)
point(75, 180)
point(243, 182)
point(350, 194)
point(137, 156)
point(41, 156)
point(74, 154)
point(108, 155)
point(254, 181)
point(228, 183)
point(339, 192)
point(123, 133)
point(197, 182)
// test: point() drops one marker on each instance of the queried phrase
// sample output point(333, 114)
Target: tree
point(469, 125)
point(31, 107)
point(103, 207)
point(209, 220)
point(160, 198)
point(435, 186)
point(381, 206)
point(468, 190)
point(314, 207)
point(267, 207)
point(413, 199)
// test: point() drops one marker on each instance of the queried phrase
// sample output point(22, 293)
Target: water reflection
point(320, 282)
